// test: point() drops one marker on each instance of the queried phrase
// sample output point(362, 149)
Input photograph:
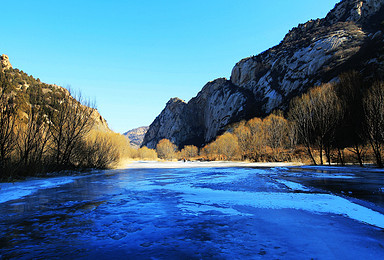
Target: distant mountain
point(136, 136)
point(349, 37)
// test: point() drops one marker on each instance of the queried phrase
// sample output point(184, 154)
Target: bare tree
point(8, 120)
point(349, 134)
point(292, 135)
point(96, 152)
point(244, 138)
point(316, 115)
point(327, 114)
point(210, 151)
point(300, 112)
point(257, 140)
point(166, 149)
point(276, 133)
point(71, 120)
point(32, 140)
point(146, 153)
point(374, 115)
point(227, 146)
point(189, 151)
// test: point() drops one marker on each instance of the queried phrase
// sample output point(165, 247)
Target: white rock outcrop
point(5, 63)
point(294, 65)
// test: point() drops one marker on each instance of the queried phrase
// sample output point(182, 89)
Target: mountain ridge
point(349, 37)
point(34, 89)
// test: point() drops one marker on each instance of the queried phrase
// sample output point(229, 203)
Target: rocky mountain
point(349, 37)
point(31, 90)
point(136, 136)
point(218, 104)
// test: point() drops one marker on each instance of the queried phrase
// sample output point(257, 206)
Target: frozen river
point(196, 213)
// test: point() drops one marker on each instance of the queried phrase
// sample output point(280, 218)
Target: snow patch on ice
point(316, 203)
point(292, 185)
point(195, 200)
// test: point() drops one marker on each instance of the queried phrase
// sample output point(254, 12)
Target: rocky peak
point(301, 29)
point(175, 102)
point(5, 64)
point(167, 124)
point(311, 54)
point(357, 11)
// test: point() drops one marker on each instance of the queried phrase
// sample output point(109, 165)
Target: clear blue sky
point(132, 56)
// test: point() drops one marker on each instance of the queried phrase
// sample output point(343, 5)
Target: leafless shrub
point(166, 149)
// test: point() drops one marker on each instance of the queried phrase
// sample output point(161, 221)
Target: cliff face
point(311, 54)
point(218, 104)
point(349, 37)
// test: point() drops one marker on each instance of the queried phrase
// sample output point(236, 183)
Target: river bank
point(200, 164)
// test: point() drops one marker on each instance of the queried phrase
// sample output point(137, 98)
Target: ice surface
point(202, 199)
point(16, 190)
point(193, 213)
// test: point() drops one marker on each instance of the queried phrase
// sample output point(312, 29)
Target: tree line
point(332, 123)
point(45, 129)
point(333, 119)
